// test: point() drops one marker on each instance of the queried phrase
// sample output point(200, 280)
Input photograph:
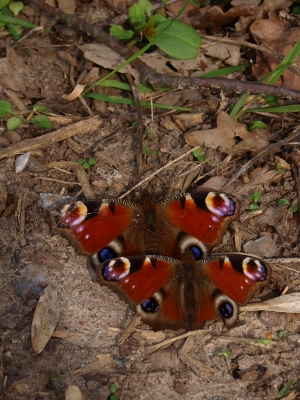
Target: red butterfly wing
point(92, 225)
point(150, 283)
point(204, 215)
point(226, 281)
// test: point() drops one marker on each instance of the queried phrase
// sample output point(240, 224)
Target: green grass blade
point(276, 110)
point(224, 71)
point(16, 21)
point(123, 100)
point(285, 63)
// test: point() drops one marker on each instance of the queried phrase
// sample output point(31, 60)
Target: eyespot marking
point(220, 204)
point(254, 269)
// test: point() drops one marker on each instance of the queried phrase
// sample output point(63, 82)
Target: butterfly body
point(178, 285)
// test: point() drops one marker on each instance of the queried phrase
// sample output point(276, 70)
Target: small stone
point(13, 136)
point(4, 142)
point(35, 166)
point(262, 247)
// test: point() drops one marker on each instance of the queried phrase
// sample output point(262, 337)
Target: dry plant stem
point(155, 80)
point(79, 128)
point(80, 174)
point(148, 178)
point(140, 127)
point(267, 149)
point(262, 49)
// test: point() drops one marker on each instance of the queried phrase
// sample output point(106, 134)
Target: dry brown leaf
point(273, 33)
point(209, 17)
point(224, 136)
point(289, 303)
point(45, 318)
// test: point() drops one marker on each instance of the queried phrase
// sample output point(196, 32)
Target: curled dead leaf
point(78, 89)
point(45, 318)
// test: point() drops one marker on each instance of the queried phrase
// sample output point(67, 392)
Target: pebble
point(12, 136)
point(262, 247)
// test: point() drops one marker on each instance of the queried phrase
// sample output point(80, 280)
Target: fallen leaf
point(273, 33)
point(45, 318)
point(289, 303)
point(226, 134)
point(209, 17)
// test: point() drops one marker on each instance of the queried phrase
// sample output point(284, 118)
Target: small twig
point(155, 80)
point(148, 178)
point(140, 127)
point(267, 149)
point(79, 128)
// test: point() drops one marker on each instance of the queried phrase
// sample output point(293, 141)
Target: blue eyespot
point(150, 305)
point(225, 310)
point(196, 252)
point(106, 254)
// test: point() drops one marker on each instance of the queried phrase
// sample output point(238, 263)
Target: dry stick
point(79, 128)
point(149, 77)
point(80, 175)
point(140, 127)
point(267, 149)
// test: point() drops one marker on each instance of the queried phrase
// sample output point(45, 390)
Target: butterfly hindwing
point(169, 293)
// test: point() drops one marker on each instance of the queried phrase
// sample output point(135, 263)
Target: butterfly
point(156, 255)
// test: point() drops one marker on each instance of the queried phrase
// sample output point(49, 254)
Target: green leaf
point(79, 161)
point(113, 397)
point(3, 3)
point(120, 33)
point(113, 388)
point(255, 125)
point(198, 155)
point(39, 107)
point(91, 161)
point(256, 196)
point(179, 40)
point(282, 334)
point(282, 202)
point(15, 7)
point(271, 100)
point(146, 6)
point(137, 16)
point(224, 353)
point(286, 388)
point(295, 208)
point(86, 165)
point(42, 121)
point(296, 10)
point(13, 123)
point(5, 108)
point(253, 207)
point(158, 19)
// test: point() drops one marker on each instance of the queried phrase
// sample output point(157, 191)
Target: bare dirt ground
point(85, 349)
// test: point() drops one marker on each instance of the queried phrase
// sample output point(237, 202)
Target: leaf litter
point(92, 318)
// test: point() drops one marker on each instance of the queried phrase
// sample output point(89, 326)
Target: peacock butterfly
point(177, 285)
